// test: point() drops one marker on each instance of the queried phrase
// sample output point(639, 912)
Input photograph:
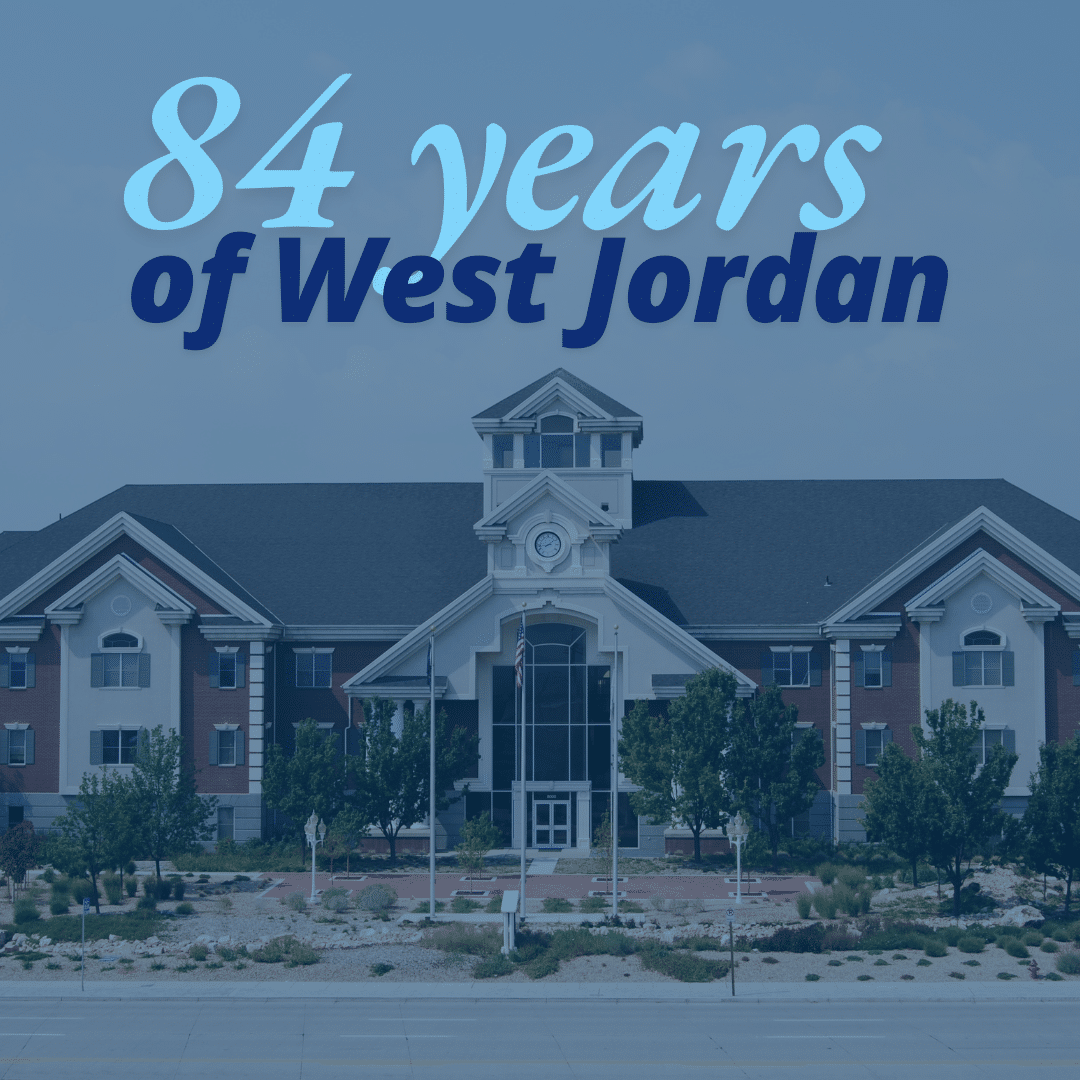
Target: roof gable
point(512, 405)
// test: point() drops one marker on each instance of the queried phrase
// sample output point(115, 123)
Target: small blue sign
point(86, 905)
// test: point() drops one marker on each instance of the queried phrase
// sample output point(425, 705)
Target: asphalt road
point(479, 1040)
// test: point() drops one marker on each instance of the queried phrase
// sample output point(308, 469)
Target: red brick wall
point(1062, 698)
point(40, 708)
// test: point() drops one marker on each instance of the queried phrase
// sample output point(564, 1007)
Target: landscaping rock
point(1022, 915)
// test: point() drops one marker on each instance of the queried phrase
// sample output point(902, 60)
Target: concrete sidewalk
point(718, 992)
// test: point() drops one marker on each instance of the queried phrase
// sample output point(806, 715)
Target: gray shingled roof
point(600, 399)
point(701, 552)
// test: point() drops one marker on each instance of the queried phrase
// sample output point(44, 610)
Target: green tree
point(901, 806)
point(770, 774)
point(478, 836)
point(310, 779)
point(966, 796)
point(18, 851)
point(89, 823)
point(392, 773)
point(169, 813)
point(678, 760)
point(1051, 824)
point(602, 837)
point(347, 830)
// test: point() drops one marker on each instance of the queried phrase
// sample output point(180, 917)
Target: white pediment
point(170, 606)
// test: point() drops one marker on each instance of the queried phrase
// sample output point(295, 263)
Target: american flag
point(519, 654)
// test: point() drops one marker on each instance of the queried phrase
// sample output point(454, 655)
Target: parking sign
point(86, 905)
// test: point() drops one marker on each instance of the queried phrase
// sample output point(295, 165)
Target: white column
point(842, 661)
point(256, 714)
point(584, 820)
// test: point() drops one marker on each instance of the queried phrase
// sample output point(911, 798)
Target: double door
point(551, 823)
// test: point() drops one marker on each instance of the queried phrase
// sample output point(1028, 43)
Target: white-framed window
point(119, 746)
point(988, 739)
point(17, 745)
point(17, 668)
point(870, 743)
point(226, 745)
point(790, 665)
point(502, 451)
point(983, 660)
point(225, 815)
point(314, 668)
point(121, 664)
point(803, 729)
point(555, 447)
point(873, 666)
point(227, 668)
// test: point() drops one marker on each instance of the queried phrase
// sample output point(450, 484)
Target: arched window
point(121, 662)
point(983, 660)
point(982, 637)
point(120, 641)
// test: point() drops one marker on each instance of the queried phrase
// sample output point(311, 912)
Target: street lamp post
point(315, 831)
point(737, 831)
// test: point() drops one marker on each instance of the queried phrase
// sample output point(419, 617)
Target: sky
point(975, 105)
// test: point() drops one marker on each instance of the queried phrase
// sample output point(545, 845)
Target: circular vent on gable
point(121, 605)
point(981, 603)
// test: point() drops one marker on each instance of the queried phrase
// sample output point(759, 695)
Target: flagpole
point(521, 635)
point(431, 777)
point(615, 779)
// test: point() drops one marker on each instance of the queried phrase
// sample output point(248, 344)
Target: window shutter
point(97, 674)
point(767, 668)
point(215, 670)
point(214, 746)
point(1008, 739)
point(815, 668)
point(96, 755)
point(886, 738)
point(238, 742)
point(1076, 668)
point(3, 746)
point(860, 747)
point(239, 671)
point(958, 669)
point(858, 668)
point(5, 675)
point(1008, 669)
point(144, 743)
point(144, 670)
point(29, 746)
point(886, 668)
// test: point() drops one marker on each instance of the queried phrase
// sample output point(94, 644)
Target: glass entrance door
point(551, 823)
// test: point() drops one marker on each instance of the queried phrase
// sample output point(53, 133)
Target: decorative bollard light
point(737, 831)
point(315, 831)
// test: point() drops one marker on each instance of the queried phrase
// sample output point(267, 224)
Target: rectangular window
point(502, 451)
point(611, 451)
point(15, 815)
point(226, 747)
point(873, 747)
point(870, 743)
point(532, 451)
point(16, 748)
point(227, 671)
point(983, 667)
point(120, 669)
point(17, 668)
point(582, 451)
point(225, 823)
point(17, 677)
point(119, 747)
point(792, 667)
point(314, 669)
point(872, 676)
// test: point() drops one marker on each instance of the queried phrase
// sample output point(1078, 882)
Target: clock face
point(547, 545)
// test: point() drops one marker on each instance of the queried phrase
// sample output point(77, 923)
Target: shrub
point(463, 938)
point(295, 902)
point(827, 873)
point(593, 905)
point(164, 887)
point(114, 892)
point(179, 887)
point(381, 969)
point(840, 940)
point(1007, 932)
point(968, 944)
point(198, 951)
point(25, 911)
point(1049, 945)
point(463, 905)
point(1068, 963)
point(131, 885)
point(900, 935)
point(851, 876)
point(803, 939)
point(811, 977)
point(492, 967)
point(377, 898)
point(951, 935)
point(933, 947)
point(803, 903)
point(83, 889)
point(1032, 937)
point(147, 903)
point(185, 908)
point(825, 903)
point(678, 965)
point(557, 905)
point(59, 904)
point(1015, 947)
point(285, 950)
point(567, 944)
point(336, 900)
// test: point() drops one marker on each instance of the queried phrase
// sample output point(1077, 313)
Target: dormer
point(562, 425)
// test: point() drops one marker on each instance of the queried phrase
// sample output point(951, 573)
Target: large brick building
point(233, 612)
